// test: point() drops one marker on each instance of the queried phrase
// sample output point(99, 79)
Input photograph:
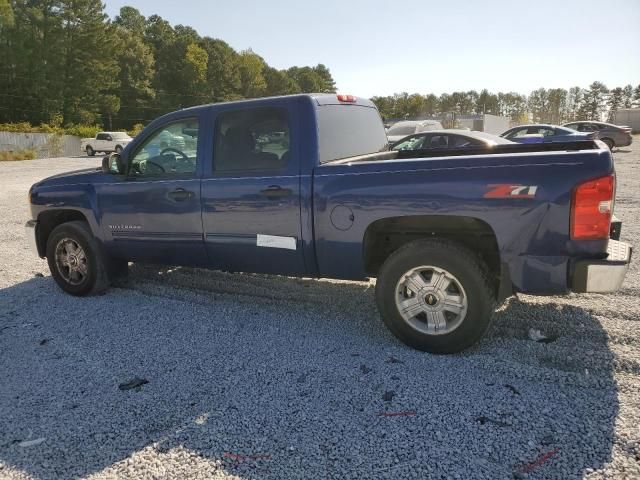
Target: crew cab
point(305, 185)
point(105, 142)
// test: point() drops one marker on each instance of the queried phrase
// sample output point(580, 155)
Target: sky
point(427, 46)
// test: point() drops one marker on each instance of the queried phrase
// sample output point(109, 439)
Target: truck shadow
point(272, 377)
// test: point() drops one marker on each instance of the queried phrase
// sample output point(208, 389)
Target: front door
point(251, 199)
point(153, 214)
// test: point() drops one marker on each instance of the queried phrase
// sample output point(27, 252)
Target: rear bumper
point(624, 141)
point(604, 275)
point(30, 231)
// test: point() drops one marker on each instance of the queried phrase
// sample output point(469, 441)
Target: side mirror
point(113, 164)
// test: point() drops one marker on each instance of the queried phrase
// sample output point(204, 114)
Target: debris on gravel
point(31, 443)
point(388, 395)
point(133, 383)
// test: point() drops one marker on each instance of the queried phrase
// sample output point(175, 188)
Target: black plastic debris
point(133, 383)
point(388, 395)
point(513, 389)
point(393, 359)
point(483, 420)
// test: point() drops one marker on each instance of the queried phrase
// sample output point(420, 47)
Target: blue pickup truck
point(305, 185)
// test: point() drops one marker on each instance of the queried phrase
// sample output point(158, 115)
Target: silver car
point(612, 135)
point(400, 130)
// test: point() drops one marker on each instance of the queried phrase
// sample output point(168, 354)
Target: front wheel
point(76, 260)
point(435, 296)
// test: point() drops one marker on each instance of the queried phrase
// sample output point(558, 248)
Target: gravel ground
point(261, 377)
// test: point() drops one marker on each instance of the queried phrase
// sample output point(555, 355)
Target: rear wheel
point(435, 296)
point(610, 143)
point(90, 151)
point(118, 149)
point(76, 260)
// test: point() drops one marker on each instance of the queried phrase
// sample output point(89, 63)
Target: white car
point(106, 142)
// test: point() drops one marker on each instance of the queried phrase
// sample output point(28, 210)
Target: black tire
point(96, 279)
point(90, 151)
point(118, 149)
point(468, 270)
point(610, 143)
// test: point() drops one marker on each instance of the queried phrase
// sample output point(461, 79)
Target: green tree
point(557, 105)
point(487, 103)
point(326, 82)
point(627, 96)
point(252, 81)
point(594, 101)
point(575, 97)
point(196, 62)
point(136, 75)
point(90, 68)
point(447, 103)
point(636, 96)
point(223, 70)
point(538, 104)
point(6, 14)
point(278, 82)
point(512, 105)
point(614, 102)
point(109, 105)
point(132, 20)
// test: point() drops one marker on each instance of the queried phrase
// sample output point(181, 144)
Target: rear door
point(251, 196)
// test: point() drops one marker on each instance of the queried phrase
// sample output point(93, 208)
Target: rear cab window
point(349, 130)
point(252, 139)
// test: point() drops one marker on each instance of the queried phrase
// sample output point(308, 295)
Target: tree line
point(554, 105)
point(65, 62)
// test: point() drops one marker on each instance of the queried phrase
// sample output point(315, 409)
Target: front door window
point(170, 151)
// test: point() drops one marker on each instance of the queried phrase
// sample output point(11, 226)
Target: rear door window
point(252, 139)
point(520, 132)
point(438, 141)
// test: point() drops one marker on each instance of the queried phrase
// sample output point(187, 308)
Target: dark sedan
point(544, 133)
point(612, 135)
point(448, 139)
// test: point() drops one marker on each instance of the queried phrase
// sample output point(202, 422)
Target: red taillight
point(591, 208)
point(347, 98)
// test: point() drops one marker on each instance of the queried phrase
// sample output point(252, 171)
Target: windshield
point(349, 130)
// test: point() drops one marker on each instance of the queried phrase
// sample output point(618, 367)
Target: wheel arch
point(50, 219)
point(384, 236)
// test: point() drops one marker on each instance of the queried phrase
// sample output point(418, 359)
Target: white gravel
point(263, 377)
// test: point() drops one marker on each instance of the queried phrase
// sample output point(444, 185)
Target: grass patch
point(27, 154)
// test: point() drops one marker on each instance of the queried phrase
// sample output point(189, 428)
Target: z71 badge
point(506, 190)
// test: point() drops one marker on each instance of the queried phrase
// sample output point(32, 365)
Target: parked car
point(612, 135)
point(542, 133)
point(449, 139)
point(402, 129)
point(105, 142)
point(447, 236)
